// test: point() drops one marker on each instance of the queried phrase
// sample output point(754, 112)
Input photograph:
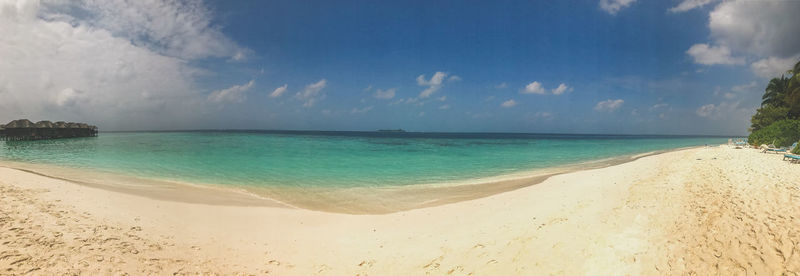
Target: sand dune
point(703, 211)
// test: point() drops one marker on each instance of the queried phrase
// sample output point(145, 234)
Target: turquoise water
point(329, 159)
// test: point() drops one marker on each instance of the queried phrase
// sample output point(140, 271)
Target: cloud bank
point(757, 32)
point(113, 63)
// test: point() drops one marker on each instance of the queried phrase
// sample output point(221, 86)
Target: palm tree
point(793, 91)
point(775, 94)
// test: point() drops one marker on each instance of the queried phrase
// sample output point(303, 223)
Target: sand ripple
point(49, 238)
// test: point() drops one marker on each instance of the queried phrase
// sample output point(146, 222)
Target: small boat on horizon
point(391, 130)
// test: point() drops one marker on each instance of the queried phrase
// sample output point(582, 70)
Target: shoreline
point(350, 200)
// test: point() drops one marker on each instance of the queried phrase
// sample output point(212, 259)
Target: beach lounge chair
point(794, 158)
point(777, 150)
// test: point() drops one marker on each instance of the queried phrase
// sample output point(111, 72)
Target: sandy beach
point(714, 210)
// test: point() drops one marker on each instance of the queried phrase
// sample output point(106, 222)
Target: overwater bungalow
point(24, 129)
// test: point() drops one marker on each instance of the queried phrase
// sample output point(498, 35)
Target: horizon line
point(420, 132)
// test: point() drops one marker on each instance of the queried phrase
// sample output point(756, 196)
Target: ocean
point(308, 159)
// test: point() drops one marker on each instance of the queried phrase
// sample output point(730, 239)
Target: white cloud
point(312, 93)
point(385, 94)
point(361, 110)
point(751, 88)
point(278, 91)
point(729, 96)
point(436, 79)
point(687, 5)
point(609, 105)
point(711, 55)
point(234, 94)
point(442, 98)
point(537, 88)
point(429, 91)
point(745, 87)
point(561, 89)
point(433, 84)
point(509, 103)
point(706, 110)
point(501, 85)
point(544, 115)
point(612, 7)
point(726, 111)
point(445, 107)
point(454, 78)
point(757, 30)
point(761, 28)
point(772, 67)
point(70, 97)
point(62, 67)
point(239, 56)
point(659, 105)
point(723, 110)
point(534, 88)
point(180, 29)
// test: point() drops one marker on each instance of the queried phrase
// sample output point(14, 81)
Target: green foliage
point(793, 92)
point(776, 121)
point(775, 94)
point(782, 133)
point(767, 115)
point(796, 149)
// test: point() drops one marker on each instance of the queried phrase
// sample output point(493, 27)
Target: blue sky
point(609, 66)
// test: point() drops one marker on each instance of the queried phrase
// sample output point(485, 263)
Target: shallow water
point(330, 159)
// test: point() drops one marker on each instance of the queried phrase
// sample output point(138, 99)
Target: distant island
point(391, 130)
point(24, 129)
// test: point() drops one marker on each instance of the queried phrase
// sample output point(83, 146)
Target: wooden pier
point(25, 130)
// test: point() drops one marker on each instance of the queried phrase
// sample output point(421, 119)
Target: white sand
point(729, 212)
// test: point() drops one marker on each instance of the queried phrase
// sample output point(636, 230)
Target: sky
point(608, 66)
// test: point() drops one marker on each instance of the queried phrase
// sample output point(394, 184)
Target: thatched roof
point(21, 123)
point(24, 123)
point(44, 124)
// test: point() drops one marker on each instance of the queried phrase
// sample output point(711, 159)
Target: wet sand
point(353, 200)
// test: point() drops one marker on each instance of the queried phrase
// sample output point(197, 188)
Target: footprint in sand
point(323, 268)
point(434, 263)
point(367, 263)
